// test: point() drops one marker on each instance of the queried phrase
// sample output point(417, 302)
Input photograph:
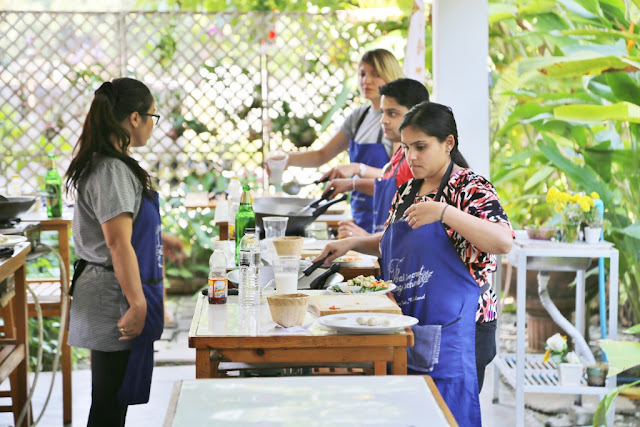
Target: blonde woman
point(361, 134)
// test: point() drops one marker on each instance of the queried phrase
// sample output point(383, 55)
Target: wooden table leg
point(380, 367)
point(67, 367)
point(399, 364)
point(205, 367)
point(21, 324)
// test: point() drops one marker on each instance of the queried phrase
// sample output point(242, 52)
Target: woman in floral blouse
point(442, 228)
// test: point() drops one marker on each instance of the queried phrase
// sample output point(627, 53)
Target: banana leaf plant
point(621, 355)
point(566, 112)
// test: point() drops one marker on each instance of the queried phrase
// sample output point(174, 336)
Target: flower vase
point(570, 232)
point(569, 374)
point(592, 235)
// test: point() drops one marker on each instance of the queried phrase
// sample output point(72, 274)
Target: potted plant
point(593, 227)
point(569, 365)
point(576, 211)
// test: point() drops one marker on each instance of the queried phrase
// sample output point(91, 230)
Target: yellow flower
point(547, 354)
point(594, 195)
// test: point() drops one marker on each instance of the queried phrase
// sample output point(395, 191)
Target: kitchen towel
point(426, 351)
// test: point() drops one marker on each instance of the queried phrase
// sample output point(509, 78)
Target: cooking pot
point(13, 207)
point(300, 211)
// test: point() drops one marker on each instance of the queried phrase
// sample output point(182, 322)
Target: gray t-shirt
point(110, 190)
point(369, 129)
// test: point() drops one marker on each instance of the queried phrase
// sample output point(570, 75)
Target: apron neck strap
point(415, 188)
point(443, 182)
point(361, 119)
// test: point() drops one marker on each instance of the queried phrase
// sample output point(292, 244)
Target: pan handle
point(319, 281)
point(320, 210)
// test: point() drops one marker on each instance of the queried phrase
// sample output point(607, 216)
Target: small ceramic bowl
point(542, 233)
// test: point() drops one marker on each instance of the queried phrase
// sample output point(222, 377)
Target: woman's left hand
point(421, 214)
point(172, 248)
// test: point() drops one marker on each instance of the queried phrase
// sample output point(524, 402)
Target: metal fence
point(230, 87)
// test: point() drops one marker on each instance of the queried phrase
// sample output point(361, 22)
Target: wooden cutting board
point(314, 252)
point(322, 305)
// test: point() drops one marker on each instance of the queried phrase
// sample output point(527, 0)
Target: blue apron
point(147, 243)
point(434, 286)
point(373, 155)
point(383, 192)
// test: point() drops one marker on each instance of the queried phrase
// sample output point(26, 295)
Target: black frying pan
point(292, 208)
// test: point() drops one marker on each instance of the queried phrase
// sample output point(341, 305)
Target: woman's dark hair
point(112, 103)
point(435, 120)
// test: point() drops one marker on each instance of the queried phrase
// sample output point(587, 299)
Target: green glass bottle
point(245, 218)
point(53, 188)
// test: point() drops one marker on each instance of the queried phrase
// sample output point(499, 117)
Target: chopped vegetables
point(369, 284)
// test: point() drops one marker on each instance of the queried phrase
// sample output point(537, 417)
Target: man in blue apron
point(397, 98)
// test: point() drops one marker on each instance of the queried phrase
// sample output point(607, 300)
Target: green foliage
point(252, 5)
point(194, 227)
point(566, 112)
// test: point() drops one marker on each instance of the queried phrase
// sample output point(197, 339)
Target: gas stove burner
point(9, 223)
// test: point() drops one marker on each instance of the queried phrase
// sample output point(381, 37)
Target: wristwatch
point(363, 169)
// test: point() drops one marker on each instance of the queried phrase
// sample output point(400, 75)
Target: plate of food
point(362, 285)
point(348, 260)
point(11, 240)
point(366, 323)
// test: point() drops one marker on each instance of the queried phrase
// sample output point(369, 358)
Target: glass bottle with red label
point(218, 283)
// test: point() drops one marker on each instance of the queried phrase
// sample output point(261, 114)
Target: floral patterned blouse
point(473, 194)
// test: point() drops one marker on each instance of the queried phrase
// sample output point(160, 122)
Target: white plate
point(11, 240)
point(354, 289)
point(347, 322)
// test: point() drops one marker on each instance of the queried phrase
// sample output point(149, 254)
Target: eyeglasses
point(155, 116)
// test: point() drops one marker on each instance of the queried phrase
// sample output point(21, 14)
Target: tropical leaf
point(582, 8)
point(584, 113)
point(632, 230)
point(584, 176)
point(539, 176)
point(600, 416)
point(578, 64)
point(624, 87)
point(501, 11)
point(621, 355)
point(633, 330)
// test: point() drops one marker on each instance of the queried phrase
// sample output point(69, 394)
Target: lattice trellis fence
point(230, 87)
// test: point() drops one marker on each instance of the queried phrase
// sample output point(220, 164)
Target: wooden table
point(227, 333)
point(49, 295)
point(392, 400)
point(14, 354)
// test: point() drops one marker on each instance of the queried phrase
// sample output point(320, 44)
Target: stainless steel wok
point(300, 211)
point(14, 207)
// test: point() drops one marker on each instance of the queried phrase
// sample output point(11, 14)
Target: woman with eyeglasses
point(117, 288)
point(438, 246)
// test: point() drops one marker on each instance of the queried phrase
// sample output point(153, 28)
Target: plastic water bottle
point(249, 264)
point(218, 283)
point(14, 188)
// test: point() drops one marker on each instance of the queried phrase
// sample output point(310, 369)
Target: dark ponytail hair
point(435, 120)
point(112, 103)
